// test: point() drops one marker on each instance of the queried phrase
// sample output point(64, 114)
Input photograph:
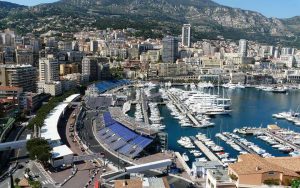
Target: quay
point(210, 155)
point(184, 110)
point(240, 144)
point(181, 160)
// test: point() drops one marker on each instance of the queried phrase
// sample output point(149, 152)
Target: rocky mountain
point(8, 5)
point(153, 18)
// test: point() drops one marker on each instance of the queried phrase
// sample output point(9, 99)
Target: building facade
point(90, 68)
point(186, 35)
point(243, 48)
point(23, 76)
point(48, 70)
point(169, 49)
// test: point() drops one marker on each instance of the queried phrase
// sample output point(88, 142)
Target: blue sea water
point(250, 107)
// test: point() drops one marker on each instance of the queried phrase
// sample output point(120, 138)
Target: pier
point(269, 133)
point(183, 109)
point(144, 107)
point(281, 140)
point(246, 148)
point(210, 155)
point(181, 160)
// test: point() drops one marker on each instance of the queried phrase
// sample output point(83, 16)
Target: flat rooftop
point(61, 151)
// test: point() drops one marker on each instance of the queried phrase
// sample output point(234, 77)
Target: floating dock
point(210, 155)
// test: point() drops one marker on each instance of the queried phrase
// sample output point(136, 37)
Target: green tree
point(35, 184)
point(27, 170)
point(17, 181)
point(296, 183)
point(43, 112)
point(117, 73)
point(39, 149)
point(271, 182)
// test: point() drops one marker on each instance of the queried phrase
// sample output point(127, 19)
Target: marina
point(173, 116)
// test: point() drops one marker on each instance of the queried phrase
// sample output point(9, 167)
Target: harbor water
point(250, 107)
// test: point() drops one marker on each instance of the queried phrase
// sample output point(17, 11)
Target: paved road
point(21, 154)
point(6, 155)
point(86, 133)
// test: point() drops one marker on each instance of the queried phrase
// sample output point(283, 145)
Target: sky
point(269, 8)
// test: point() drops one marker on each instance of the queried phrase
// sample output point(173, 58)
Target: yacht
point(185, 157)
point(126, 107)
point(201, 159)
point(279, 90)
point(186, 142)
point(295, 154)
point(228, 160)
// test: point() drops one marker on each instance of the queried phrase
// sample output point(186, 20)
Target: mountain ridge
point(208, 18)
point(5, 4)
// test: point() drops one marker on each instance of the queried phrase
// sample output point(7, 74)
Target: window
point(271, 173)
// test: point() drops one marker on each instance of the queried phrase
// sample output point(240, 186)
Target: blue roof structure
point(122, 131)
point(108, 85)
point(122, 139)
point(108, 120)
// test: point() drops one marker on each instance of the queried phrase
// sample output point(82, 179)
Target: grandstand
point(108, 85)
point(117, 114)
point(121, 139)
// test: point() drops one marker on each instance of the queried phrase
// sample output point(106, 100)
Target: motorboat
point(279, 90)
point(201, 159)
point(185, 157)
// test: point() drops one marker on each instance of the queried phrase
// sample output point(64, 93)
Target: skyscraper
point(243, 48)
point(170, 49)
point(90, 68)
point(186, 35)
point(48, 70)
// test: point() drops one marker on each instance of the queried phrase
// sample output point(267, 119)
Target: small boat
point(185, 157)
point(197, 154)
point(201, 159)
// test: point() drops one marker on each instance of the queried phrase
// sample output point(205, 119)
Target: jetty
point(184, 110)
point(144, 107)
point(210, 155)
point(246, 148)
point(269, 133)
point(281, 140)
